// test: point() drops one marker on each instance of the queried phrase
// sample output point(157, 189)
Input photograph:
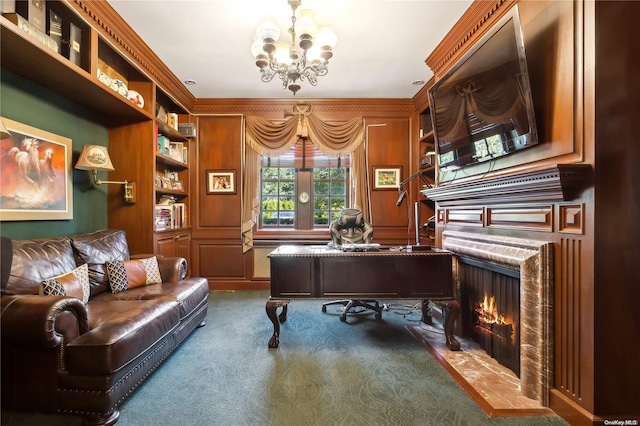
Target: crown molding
point(470, 27)
point(356, 107)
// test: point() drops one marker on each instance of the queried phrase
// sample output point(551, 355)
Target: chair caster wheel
point(378, 315)
point(343, 318)
point(324, 309)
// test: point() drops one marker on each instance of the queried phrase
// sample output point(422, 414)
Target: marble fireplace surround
point(534, 260)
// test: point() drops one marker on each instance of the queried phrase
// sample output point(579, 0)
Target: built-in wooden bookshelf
point(132, 127)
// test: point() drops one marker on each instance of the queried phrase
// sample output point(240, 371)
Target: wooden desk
point(309, 272)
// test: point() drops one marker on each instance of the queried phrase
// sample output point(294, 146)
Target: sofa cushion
point(37, 260)
point(189, 294)
point(95, 249)
point(126, 274)
point(73, 284)
point(120, 332)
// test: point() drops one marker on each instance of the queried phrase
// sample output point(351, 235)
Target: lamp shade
point(326, 37)
point(94, 157)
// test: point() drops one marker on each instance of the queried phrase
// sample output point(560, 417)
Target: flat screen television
point(482, 108)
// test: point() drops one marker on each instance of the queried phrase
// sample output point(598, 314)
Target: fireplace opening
point(490, 308)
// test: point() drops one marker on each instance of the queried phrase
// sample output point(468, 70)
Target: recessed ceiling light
point(190, 82)
point(418, 82)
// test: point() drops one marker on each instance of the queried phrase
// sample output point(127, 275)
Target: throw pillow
point(74, 284)
point(126, 274)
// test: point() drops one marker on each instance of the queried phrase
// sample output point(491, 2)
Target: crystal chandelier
point(285, 60)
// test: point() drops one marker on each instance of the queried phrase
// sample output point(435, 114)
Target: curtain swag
point(273, 138)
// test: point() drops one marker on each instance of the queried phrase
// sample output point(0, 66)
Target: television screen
point(482, 108)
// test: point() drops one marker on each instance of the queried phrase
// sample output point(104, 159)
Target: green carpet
point(325, 372)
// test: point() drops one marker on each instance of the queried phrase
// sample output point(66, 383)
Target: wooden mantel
point(562, 182)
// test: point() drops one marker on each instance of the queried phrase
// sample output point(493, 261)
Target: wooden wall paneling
point(388, 145)
point(219, 148)
point(617, 208)
point(534, 217)
point(132, 151)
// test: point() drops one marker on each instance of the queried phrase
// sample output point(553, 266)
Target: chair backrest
point(351, 228)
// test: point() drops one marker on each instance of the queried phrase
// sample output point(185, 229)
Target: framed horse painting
point(35, 174)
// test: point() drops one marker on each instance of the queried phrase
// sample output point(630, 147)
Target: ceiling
point(381, 49)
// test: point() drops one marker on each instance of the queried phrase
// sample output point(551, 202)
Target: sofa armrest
point(172, 269)
point(42, 321)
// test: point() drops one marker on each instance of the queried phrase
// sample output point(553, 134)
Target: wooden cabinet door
point(166, 246)
point(183, 249)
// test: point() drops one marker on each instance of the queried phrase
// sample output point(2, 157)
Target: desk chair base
point(353, 303)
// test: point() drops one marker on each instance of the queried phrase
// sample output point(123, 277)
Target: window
point(278, 192)
point(329, 194)
point(325, 195)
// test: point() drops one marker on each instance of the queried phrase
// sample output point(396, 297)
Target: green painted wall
point(28, 103)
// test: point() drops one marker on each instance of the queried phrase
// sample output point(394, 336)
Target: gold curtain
point(267, 138)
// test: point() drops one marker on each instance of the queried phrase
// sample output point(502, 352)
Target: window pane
point(338, 173)
point(337, 203)
point(287, 188)
point(321, 203)
point(321, 173)
point(269, 172)
point(321, 218)
point(287, 173)
point(338, 188)
point(321, 188)
point(269, 188)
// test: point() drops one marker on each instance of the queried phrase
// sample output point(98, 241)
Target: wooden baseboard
point(573, 413)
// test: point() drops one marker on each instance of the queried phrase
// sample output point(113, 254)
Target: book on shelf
point(71, 43)
point(33, 11)
point(180, 215)
point(54, 28)
point(164, 217)
point(170, 216)
point(32, 31)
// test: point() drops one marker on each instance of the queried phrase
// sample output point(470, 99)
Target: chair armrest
point(172, 269)
point(42, 321)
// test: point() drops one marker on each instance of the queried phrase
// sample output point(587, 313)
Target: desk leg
point(451, 311)
point(271, 308)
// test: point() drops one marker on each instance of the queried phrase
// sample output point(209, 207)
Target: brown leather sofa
point(60, 355)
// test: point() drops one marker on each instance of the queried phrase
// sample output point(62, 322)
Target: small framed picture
point(175, 151)
point(165, 183)
point(387, 177)
point(185, 155)
point(171, 175)
point(221, 181)
point(176, 185)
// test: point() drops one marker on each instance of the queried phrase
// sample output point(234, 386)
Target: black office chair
point(351, 228)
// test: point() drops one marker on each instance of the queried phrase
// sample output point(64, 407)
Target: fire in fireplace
point(489, 320)
point(490, 296)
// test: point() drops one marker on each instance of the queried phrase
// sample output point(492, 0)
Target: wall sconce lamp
point(95, 158)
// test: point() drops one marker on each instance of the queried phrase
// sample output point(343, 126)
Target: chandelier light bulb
point(326, 37)
point(268, 30)
point(256, 47)
point(306, 23)
point(313, 54)
point(281, 55)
